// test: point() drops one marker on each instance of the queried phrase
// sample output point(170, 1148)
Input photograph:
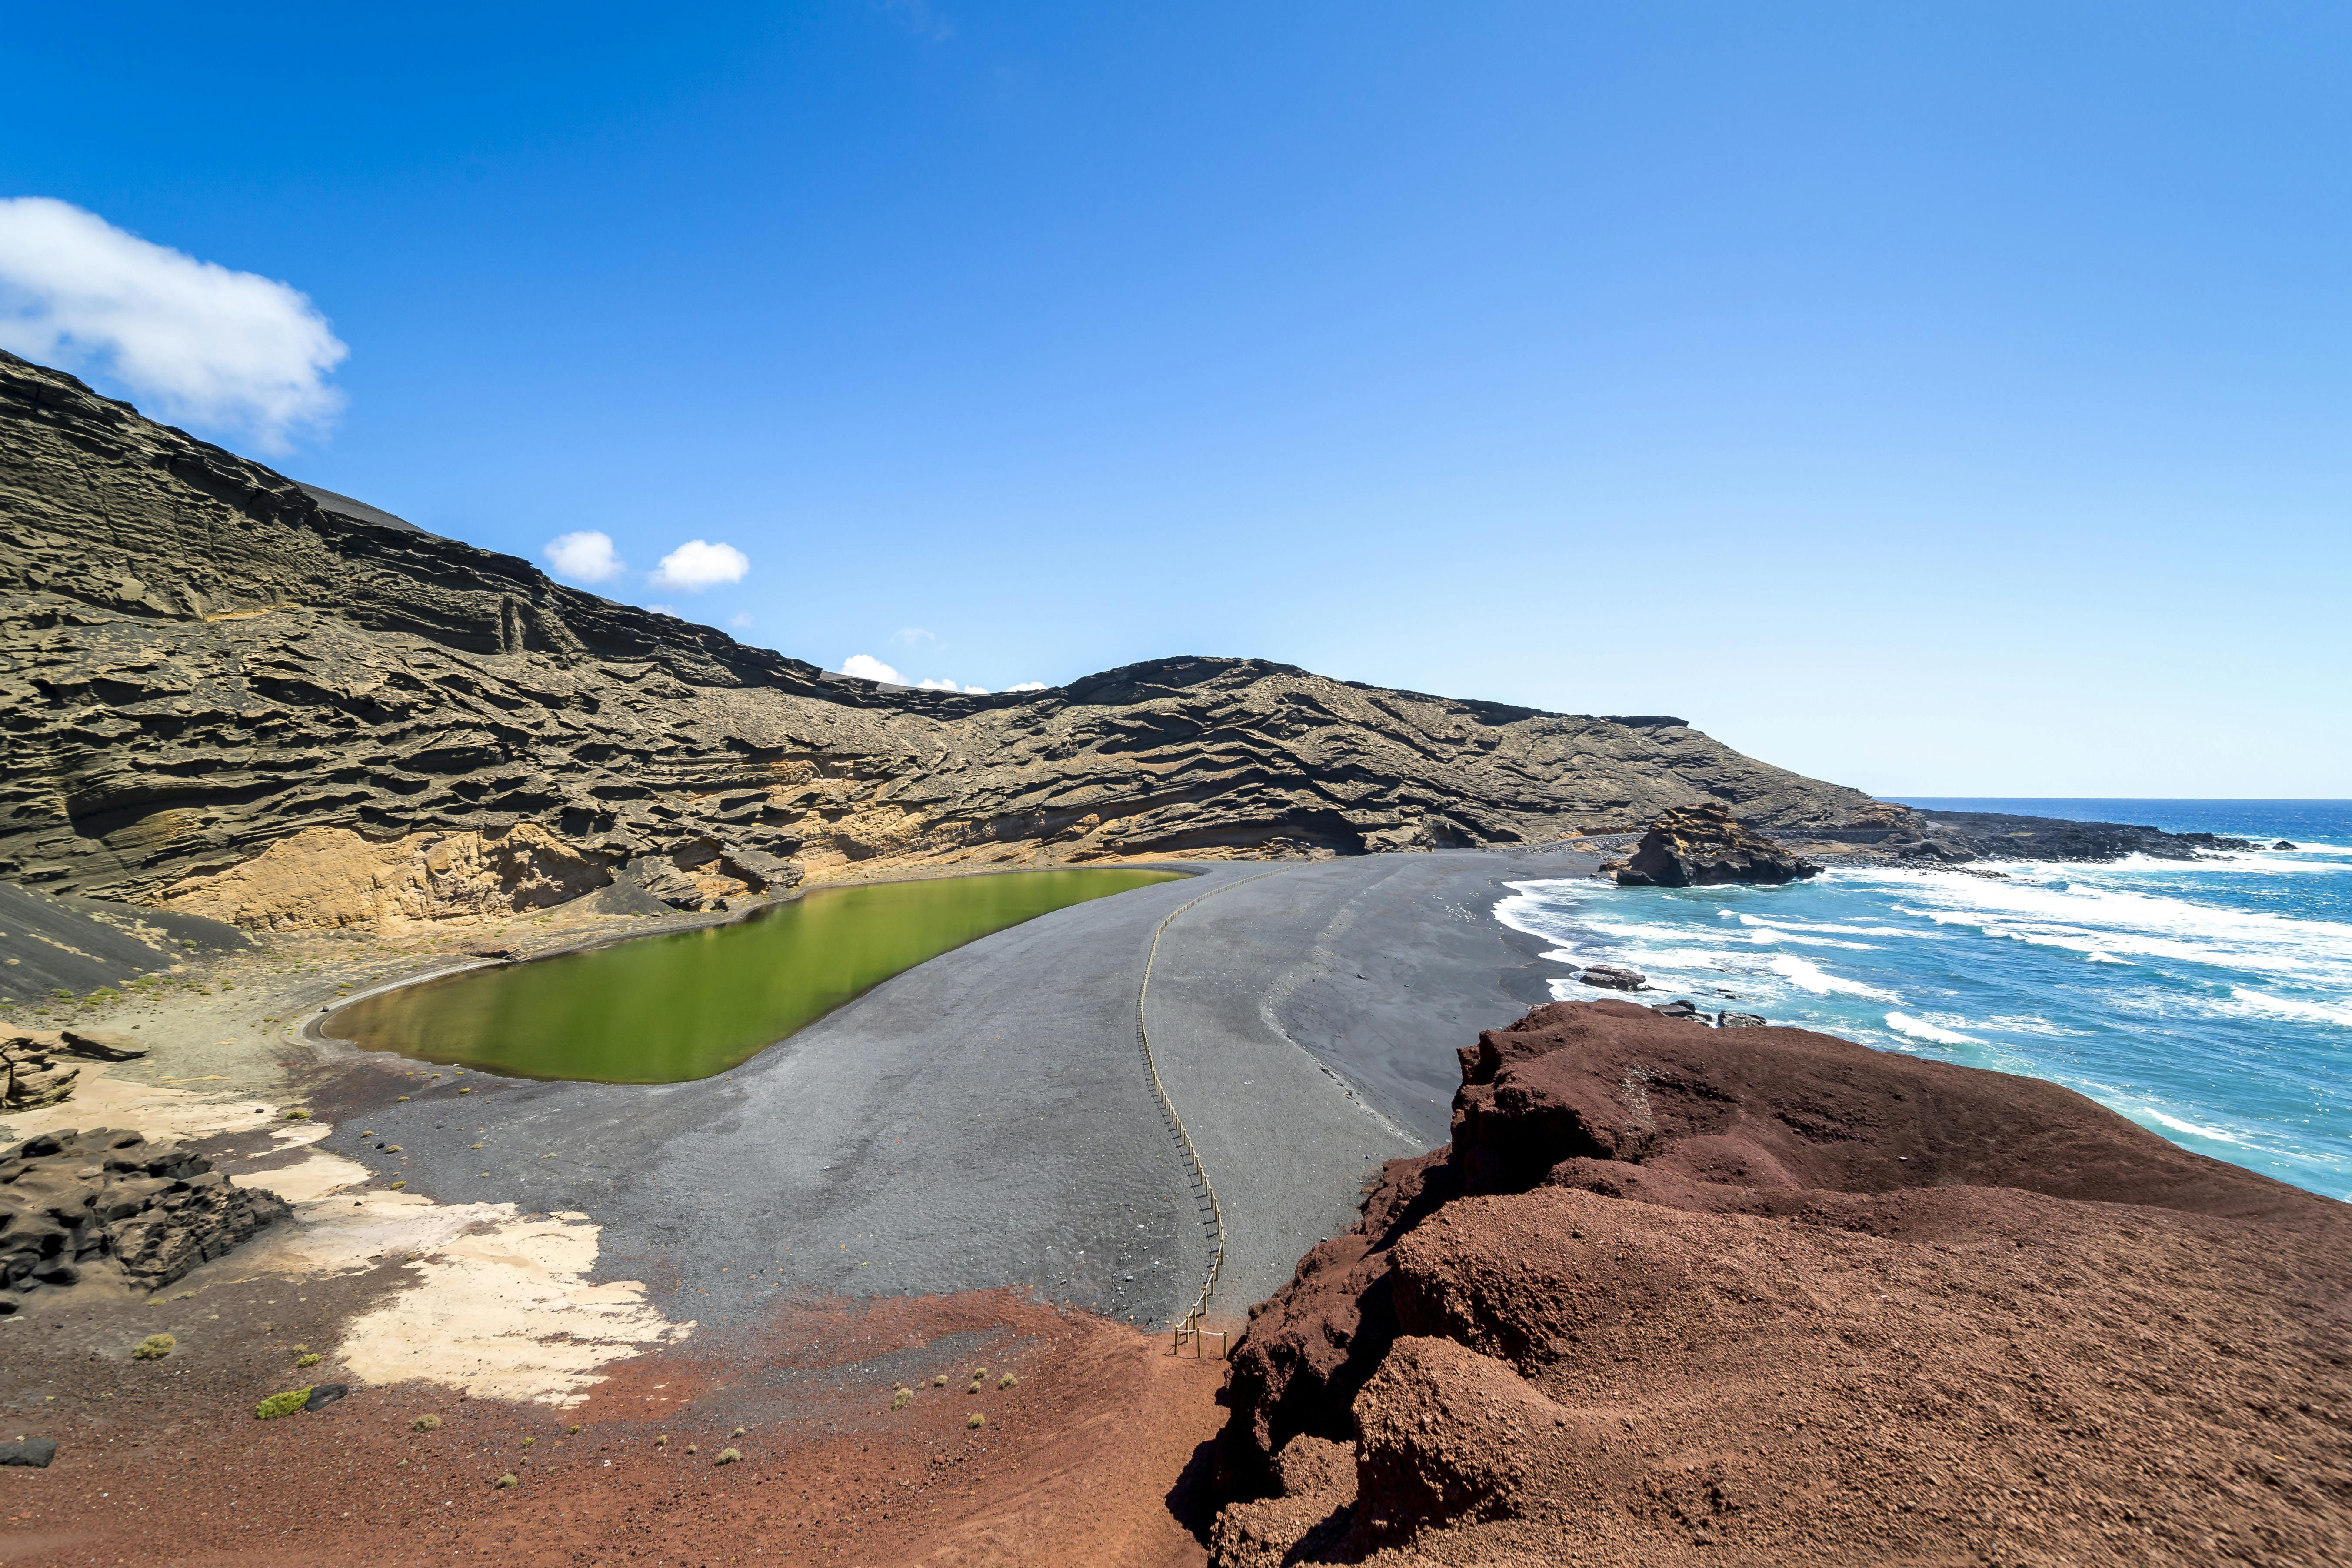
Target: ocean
point(2210, 1001)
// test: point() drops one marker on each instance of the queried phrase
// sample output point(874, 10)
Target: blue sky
point(1939, 400)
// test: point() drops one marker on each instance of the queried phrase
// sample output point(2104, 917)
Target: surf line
point(1187, 1325)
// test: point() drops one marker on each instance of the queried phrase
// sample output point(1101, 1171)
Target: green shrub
point(425, 1424)
point(154, 1347)
point(728, 1456)
point(1007, 1381)
point(976, 1422)
point(285, 1403)
point(310, 1359)
point(506, 1482)
point(903, 1398)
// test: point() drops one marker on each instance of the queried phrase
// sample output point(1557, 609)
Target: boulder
point(70, 1201)
point(1699, 846)
point(31, 1075)
point(2283, 844)
point(36, 1452)
point(1613, 977)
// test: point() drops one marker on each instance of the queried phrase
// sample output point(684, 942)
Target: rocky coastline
point(1674, 1293)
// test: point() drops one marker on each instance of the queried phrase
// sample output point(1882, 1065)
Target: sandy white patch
point(102, 1099)
point(504, 1309)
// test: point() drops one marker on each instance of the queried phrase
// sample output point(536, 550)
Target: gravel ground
point(983, 1120)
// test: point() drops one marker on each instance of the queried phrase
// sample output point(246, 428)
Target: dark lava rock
point(1739, 1020)
point(324, 1394)
point(1670, 1287)
point(1699, 846)
point(70, 1201)
point(2283, 844)
point(1678, 1008)
point(1610, 976)
point(35, 1451)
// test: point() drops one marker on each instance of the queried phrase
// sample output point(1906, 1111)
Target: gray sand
point(983, 1120)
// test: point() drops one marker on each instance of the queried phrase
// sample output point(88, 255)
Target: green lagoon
point(658, 1009)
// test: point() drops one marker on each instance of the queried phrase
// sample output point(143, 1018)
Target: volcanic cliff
point(246, 699)
point(1681, 1294)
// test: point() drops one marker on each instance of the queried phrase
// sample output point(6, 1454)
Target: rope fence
point(1188, 1328)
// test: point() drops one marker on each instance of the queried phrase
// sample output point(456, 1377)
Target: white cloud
point(865, 667)
point(952, 686)
point(584, 557)
point(696, 565)
point(741, 621)
point(1029, 686)
point(911, 635)
point(197, 340)
point(663, 609)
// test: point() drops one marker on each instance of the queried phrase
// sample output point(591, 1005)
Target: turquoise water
point(2209, 1001)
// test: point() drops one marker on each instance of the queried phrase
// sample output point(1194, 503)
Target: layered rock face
point(1683, 1294)
point(206, 666)
point(1696, 846)
point(70, 1201)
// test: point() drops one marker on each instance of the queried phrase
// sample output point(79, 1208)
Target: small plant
point(903, 1398)
point(940, 1381)
point(297, 1114)
point(1007, 1381)
point(980, 1374)
point(728, 1456)
point(662, 1441)
point(506, 1482)
point(976, 1386)
point(571, 1431)
point(425, 1424)
point(154, 1347)
point(741, 1432)
point(974, 1422)
point(691, 1448)
point(285, 1403)
point(297, 1349)
point(397, 1185)
point(310, 1359)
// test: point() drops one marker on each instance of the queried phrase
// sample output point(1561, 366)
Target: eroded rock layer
point(1677, 1294)
point(73, 1202)
point(222, 694)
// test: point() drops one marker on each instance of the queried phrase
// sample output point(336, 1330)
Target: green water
point(661, 1009)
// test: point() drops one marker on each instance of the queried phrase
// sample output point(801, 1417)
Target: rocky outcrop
point(206, 664)
point(1678, 1294)
point(1699, 846)
point(71, 1203)
point(31, 1074)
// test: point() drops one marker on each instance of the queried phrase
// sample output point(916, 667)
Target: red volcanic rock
point(1764, 1295)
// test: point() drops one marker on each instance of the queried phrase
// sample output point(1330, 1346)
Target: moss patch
point(285, 1403)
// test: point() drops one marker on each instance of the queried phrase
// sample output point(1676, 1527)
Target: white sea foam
point(1920, 1028)
point(2096, 955)
point(2292, 1008)
point(1807, 975)
point(2177, 1125)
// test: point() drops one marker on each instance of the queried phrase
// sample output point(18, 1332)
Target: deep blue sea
point(2210, 1001)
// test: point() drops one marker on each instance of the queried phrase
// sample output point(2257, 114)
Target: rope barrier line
point(1189, 1326)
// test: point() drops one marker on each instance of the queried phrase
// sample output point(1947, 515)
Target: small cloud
point(696, 565)
point(952, 686)
point(865, 667)
point(1029, 686)
point(741, 622)
point(585, 557)
point(663, 609)
point(911, 636)
point(213, 346)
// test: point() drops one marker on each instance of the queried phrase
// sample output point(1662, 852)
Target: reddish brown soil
point(1082, 1461)
point(1677, 1294)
